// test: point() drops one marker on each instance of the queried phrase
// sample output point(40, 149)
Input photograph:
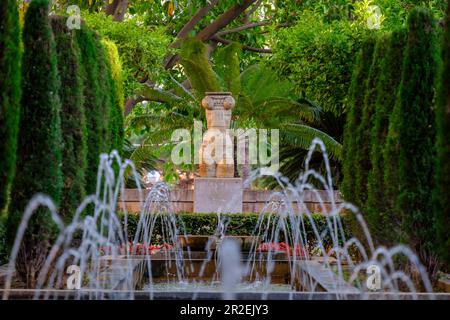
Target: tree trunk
point(117, 9)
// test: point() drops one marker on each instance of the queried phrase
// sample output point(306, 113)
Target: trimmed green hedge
point(238, 225)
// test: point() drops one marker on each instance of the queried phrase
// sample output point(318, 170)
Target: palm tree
point(262, 101)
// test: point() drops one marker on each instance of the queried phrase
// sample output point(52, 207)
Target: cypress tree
point(380, 222)
point(92, 103)
point(73, 122)
point(354, 113)
point(411, 133)
point(39, 142)
point(442, 189)
point(362, 134)
point(107, 96)
point(10, 91)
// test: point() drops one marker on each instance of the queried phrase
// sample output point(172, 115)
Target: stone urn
point(217, 150)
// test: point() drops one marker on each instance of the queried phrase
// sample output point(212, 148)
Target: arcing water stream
point(112, 266)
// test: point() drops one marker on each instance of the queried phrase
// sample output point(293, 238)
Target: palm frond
point(143, 158)
point(301, 136)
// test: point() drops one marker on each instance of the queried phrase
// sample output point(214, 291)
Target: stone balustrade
point(254, 201)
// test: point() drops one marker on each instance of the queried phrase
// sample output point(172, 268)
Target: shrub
point(73, 121)
point(92, 103)
point(442, 189)
point(318, 58)
point(378, 200)
point(411, 133)
point(354, 113)
point(10, 91)
point(39, 142)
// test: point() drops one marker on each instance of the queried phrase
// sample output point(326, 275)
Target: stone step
point(325, 277)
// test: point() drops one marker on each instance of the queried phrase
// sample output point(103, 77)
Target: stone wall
point(253, 200)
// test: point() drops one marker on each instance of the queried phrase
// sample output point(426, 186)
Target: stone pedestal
point(222, 195)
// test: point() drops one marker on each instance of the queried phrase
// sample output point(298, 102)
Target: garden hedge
point(442, 190)
point(10, 91)
point(381, 221)
point(73, 120)
point(39, 143)
point(411, 133)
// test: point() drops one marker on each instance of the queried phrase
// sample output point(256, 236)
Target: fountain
point(112, 268)
point(288, 256)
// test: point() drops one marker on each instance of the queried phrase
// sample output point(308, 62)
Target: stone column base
point(222, 195)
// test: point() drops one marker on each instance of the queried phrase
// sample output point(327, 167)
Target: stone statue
point(216, 151)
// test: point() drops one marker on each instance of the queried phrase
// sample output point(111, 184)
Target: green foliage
point(236, 225)
point(317, 57)
point(39, 143)
point(228, 68)
point(380, 222)
point(4, 251)
point(411, 133)
point(116, 125)
point(141, 48)
point(354, 114)
point(73, 120)
point(361, 151)
point(442, 177)
point(10, 92)
point(92, 103)
point(263, 94)
point(116, 69)
point(194, 59)
point(107, 96)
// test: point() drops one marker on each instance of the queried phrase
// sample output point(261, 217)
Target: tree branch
point(244, 27)
point(224, 20)
point(117, 9)
point(254, 8)
point(188, 27)
point(198, 16)
point(243, 46)
point(130, 103)
point(215, 26)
